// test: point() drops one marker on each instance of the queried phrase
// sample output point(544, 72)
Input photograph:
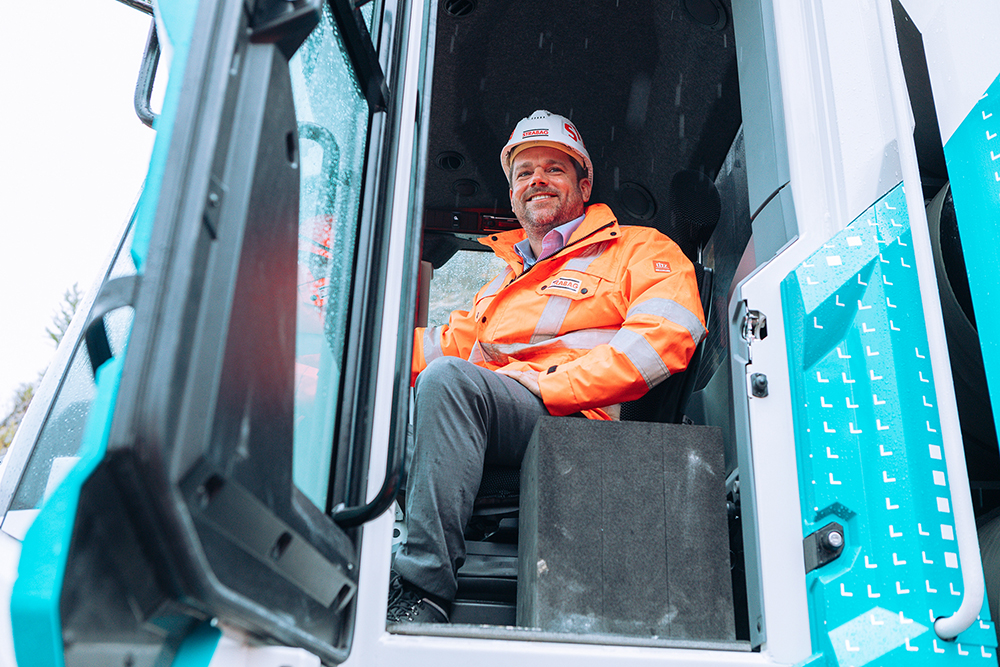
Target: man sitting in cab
point(587, 314)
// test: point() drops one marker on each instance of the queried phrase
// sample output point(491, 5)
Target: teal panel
point(973, 157)
point(35, 618)
point(198, 646)
point(34, 605)
point(178, 17)
point(869, 450)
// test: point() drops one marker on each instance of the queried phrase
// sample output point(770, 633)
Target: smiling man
point(586, 315)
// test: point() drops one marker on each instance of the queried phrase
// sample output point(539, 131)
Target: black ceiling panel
point(652, 91)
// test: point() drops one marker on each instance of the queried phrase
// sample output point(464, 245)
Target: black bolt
point(758, 385)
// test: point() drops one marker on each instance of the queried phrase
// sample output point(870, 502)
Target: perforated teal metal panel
point(869, 451)
point(973, 155)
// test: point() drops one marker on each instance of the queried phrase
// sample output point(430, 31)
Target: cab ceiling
point(652, 87)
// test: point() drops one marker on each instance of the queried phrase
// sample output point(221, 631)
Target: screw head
point(834, 539)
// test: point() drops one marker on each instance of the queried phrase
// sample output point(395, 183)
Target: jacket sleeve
point(454, 339)
point(663, 324)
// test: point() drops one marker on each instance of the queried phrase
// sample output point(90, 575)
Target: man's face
point(544, 192)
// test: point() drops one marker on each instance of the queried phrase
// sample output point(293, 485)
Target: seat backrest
point(665, 403)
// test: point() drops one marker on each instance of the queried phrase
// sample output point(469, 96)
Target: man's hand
point(528, 378)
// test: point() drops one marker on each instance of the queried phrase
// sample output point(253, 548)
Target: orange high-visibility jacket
point(604, 320)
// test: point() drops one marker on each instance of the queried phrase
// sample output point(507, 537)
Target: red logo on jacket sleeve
point(660, 266)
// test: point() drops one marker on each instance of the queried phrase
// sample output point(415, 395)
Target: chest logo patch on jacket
point(568, 284)
point(660, 266)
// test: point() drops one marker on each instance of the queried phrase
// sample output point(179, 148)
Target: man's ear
point(512, 198)
point(585, 188)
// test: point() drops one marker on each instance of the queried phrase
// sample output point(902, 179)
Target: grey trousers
point(465, 416)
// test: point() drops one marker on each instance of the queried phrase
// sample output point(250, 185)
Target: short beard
point(569, 210)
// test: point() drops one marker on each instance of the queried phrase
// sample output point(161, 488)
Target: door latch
point(753, 327)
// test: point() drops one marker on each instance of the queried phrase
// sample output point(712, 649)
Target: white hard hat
point(546, 129)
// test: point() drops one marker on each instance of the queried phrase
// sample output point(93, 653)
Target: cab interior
point(653, 88)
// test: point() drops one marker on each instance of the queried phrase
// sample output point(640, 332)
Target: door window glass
point(333, 127)
point(59, 438)
point(455, 284)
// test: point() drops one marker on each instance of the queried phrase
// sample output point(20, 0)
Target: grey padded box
point(623, 530)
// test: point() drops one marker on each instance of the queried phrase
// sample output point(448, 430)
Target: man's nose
point(537, 176)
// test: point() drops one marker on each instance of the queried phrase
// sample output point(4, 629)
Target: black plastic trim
point(371, 295)
point(115, 294)
point(207, 386)
point(361, 51)
point(285, 23)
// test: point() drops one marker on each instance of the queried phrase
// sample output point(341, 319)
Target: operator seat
point(488, 578)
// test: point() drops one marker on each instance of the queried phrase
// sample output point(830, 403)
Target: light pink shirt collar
point(552, 243)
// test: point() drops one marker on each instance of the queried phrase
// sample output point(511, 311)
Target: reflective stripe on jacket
point(604, 320)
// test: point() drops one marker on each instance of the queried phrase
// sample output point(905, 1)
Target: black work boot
point(408, 604)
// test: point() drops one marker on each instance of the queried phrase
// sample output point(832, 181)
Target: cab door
point(222, 474)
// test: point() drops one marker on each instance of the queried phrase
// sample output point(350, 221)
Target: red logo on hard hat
point(571, 131)
point(535, 133)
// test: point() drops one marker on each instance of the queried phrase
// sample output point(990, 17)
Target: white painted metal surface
point(847, 127)
point(845, 137)
point(973, 586)
point(960, 41)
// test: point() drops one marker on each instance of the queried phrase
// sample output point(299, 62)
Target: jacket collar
point(597, 226)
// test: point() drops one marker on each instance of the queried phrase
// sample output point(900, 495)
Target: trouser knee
point(445, 374)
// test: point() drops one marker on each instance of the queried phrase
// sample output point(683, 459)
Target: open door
point(222, 472)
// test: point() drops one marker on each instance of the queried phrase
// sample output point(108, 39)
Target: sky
point(73, 156)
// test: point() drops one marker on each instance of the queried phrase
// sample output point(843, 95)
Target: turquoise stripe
point(973, 158)
point(179, 19)
point(35, 614)
point(34, 602)
point(869, 451)
point(198, 646)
